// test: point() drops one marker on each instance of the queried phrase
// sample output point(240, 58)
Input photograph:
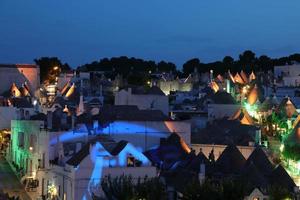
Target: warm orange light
point(55, 68)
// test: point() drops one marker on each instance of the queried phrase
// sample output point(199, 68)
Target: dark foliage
point(126, 188)
point(50, 67)
point(124, 66)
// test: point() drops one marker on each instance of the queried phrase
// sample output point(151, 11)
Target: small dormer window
point(130, 161)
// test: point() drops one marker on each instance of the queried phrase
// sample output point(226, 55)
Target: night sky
point(79, 31)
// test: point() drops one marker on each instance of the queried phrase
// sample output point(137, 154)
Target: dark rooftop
point(230, 161)
point(114, 148)
point(261, 161)
point(129, 113)
point(225, 132)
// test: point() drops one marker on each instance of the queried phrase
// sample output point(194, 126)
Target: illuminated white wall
point(20, 154)
point(99, 164)
point(175, 85)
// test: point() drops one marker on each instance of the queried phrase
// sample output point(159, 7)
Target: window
point(32, 142)
point(130, 161)
point(21, 139)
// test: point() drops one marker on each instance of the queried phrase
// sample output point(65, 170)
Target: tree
point(233, 190)
point(50, 67)
point(197, 191)
point(189, 66)
point(228, 61)
point(125, 188)
point(121, 188)
point(295, 57)
point(225, 190)
point(278, 193)
point(264, 63)
point(166, 67)
point(247, 60)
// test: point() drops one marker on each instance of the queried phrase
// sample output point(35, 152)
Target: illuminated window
point(32, 142)
point(130, 161)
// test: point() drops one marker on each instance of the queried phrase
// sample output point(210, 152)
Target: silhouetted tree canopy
point(139, 69)
point(50, 67)
point(124, 65)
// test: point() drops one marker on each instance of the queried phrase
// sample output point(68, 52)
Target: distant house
point(219, 105)
point(151, 99)
point(167, 84)
point(256, 194)
point(288, 75)
point(100, 158)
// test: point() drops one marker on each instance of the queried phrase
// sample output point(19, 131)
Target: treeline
point(247, 61)
point(126, 66)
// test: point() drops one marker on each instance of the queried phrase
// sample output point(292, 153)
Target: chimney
point(201, 174)
point(27, 115)
point(73, 121)
point(63, 119)
point(80, 110)
point(129, 90)
point(258, 136)
point(49, 120)
point(78, 147)
point(101, 90)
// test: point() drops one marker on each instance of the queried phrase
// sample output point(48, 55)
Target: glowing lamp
point(55, 68)
point(281, 148)
point(30, 148)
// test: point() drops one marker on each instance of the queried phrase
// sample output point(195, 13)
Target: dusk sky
point(79, 31)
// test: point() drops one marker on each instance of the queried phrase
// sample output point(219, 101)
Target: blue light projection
point(103, 158)
point(130, 149)
point(80, 132)
point(132, 128)
point(68, 136)
point(115, 128)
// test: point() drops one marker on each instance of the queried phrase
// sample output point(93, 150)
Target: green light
point(248, 106)
point(281, 148)
point(251, 109)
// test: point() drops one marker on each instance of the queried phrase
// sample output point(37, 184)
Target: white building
point(287, 70)
point(184, 85)
point(29, 147)
point(152, 99)
point(101, 158)
point(288, 75)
